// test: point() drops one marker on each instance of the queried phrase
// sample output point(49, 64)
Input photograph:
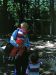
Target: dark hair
point(34, 58)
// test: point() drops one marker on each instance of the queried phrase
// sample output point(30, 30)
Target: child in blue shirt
point(34, 65)
point(21, 60)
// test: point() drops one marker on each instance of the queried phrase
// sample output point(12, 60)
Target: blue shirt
point(33, 69)
point(14, 36)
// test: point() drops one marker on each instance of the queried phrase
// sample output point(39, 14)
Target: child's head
point(33, 58)
point(24, 25)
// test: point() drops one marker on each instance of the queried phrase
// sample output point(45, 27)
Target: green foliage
point(1, 2)
point(33, 8)
point(30, 10)
point(12, 8)
point(44, 9)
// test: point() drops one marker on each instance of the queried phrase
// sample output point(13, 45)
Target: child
point(34, 65)
point(19, 39)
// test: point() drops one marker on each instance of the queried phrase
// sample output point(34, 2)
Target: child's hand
point(20, 45)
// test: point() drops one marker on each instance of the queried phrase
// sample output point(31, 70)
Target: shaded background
point(39, 14)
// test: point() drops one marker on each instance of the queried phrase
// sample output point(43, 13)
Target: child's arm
point(13, 38)
point(27, 44)
point(27, 71)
